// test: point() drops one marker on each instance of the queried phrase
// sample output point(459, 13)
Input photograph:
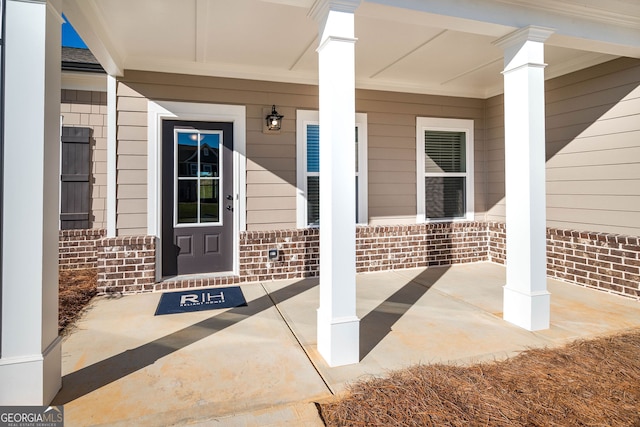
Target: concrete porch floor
point(258, 365)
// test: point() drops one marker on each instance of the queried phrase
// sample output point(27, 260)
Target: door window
point(198, 177)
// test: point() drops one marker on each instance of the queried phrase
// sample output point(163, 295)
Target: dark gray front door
point(197, 197)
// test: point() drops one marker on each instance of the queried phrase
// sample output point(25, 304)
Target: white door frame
point(190, 111)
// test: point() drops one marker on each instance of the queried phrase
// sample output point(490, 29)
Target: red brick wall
point(298, 254)
point(380, 248)
point(608, 262)
point(77, 249)
point(126, 264)
point(497, 232)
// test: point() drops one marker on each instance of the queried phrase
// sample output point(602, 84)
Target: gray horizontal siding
point(592, 148)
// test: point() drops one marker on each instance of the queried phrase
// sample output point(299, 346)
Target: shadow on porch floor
point(258, 365)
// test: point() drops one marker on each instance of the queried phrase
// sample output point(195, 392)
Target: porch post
point(526, 300)
point(111, 155)
point(338, 325)
point(30, 356)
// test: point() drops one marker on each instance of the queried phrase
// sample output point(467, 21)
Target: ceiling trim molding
point(473, 70)
point(530, 33)
point(321, 8)
point(409, 53)
point(309, 47)
point(202, 14)
point(585, 10)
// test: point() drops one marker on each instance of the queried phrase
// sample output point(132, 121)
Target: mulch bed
point(585, 383)
point(77, 287)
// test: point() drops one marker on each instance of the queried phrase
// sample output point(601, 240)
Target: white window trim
point(453, 125)
point(159, 110)
point(307, 117)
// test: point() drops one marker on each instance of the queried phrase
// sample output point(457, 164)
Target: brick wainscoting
point(497, 235)
point(378, 248)
point(78, 249)
point(607, 262)
point(127, 264)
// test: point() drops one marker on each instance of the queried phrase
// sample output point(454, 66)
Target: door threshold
point(197, 276)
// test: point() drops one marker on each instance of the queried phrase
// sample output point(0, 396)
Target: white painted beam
point(338, 325)
point(90, 25)
point(30, 362)
point(605, 27)
point(526, 300)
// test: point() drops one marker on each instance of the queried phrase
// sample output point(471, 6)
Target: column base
point(531, 311)
point(339, 339)
point(35, 379)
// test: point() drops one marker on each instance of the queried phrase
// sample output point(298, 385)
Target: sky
point(69, 36)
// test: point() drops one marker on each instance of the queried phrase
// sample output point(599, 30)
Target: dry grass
point(586, 383)
point(77, 287)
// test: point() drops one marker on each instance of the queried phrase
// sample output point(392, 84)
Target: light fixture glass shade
point(274, 120)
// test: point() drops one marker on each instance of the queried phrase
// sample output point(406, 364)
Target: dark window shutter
point(74, 178)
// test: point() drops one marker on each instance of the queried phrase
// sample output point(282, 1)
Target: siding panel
point(271, 159)
point(593, 150)
point(392, 148)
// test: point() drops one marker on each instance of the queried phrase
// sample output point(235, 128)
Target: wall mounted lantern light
point(274, 120)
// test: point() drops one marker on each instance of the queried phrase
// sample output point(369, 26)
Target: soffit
point(397, 49)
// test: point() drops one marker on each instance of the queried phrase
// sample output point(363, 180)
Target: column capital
point(531, 33)
point(330, 39)
point(321, 8)
point(524, 47)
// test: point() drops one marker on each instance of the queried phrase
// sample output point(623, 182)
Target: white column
point(30, 362)
point(526, 300)
point(111, 155)
point(338, 325)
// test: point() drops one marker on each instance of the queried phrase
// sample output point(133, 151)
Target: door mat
point(200, 300)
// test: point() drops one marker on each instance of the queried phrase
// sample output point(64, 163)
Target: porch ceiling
point(399, 48)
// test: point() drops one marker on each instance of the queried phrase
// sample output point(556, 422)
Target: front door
point(197, 194)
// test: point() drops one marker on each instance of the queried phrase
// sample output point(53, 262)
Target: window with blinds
point(313, 174)
point(444, 185)
point(309, 168)
point(444, 152)
point(445, 170)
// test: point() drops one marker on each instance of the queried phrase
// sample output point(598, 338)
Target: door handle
point(230, 208)
point(229, 197)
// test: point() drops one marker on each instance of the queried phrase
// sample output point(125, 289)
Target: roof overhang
point(436, 46)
